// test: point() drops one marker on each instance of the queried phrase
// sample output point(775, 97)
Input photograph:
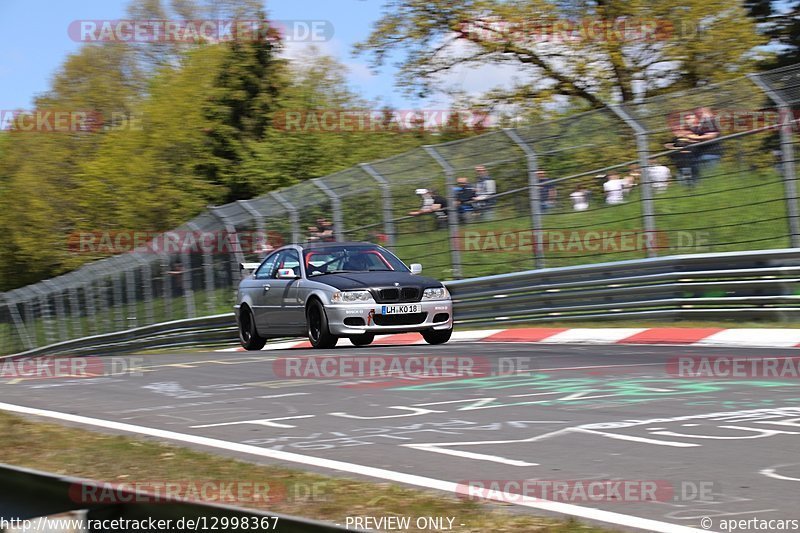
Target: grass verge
point(118, 459)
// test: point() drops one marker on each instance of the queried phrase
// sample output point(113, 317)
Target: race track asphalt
point(722, 448)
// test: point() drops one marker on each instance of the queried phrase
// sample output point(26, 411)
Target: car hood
point(364, 280)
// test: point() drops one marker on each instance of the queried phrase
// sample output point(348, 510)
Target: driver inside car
point(356, 262)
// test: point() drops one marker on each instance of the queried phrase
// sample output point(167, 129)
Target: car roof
point(320, 245)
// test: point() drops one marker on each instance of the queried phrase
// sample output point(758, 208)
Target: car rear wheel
point(437, 336)
point(248, 335)
point(363, 339)
point(317, 325)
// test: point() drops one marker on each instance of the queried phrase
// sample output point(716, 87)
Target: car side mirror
point(416, 268)
point(287, 273)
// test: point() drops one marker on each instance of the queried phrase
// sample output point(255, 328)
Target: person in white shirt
point(580, 199)
point(659, 176)
point(614, 189)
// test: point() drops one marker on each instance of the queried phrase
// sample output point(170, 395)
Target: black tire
point(437, 336)
point(248, 334)
point(317, 327)
point(363, 339)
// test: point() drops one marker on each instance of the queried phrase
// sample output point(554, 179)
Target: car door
point(283, 306)
point(258, 289)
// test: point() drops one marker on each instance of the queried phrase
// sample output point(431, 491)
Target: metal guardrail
point(756, 285)
point(28, 494)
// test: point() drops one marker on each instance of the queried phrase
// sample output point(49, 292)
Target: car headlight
point(351, 297)
point(439, 293)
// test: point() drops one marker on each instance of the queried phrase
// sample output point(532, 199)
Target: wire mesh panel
point(314, 209)
point(491, 200)
point(362, 212)
point(420, 237)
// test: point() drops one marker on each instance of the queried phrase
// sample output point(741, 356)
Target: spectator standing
point(659, 176)
point(631, 179)
point(549, 195)
point(580, 198)
point(485, 189)
point(613, 188)
point(464, 194)
point(705, 129)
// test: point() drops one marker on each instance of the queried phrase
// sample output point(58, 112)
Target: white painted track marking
point(352, 468)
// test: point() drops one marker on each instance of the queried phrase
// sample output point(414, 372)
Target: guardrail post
point(452, 211)
point(386, 197)
point(643, 151)
point(336, 204)
point(534, 194)
point(787, 159)
point(293, 218)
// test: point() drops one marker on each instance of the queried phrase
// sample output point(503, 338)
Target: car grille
point(408, 319)
point(398, 294)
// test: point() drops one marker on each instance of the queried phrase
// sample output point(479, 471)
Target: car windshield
point(351, 258)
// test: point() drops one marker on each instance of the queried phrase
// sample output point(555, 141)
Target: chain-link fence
point(706, 170)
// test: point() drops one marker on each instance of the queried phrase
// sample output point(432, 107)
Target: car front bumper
point(338, 315)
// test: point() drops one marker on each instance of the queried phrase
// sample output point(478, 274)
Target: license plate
point(400, 309)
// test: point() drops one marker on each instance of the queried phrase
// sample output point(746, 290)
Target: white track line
point(380, 473)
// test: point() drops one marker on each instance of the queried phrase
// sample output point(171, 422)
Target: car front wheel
point(248, 335)
point(437, 336)
point(317, 325)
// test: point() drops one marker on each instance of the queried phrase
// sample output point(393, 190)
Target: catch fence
point(736, 191)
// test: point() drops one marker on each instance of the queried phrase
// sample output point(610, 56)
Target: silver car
point(330, 290)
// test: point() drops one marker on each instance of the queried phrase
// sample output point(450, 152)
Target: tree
point(779, 21)
point(573, 48)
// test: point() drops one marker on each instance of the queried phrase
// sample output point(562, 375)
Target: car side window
point(288, 259)
point(267, 268)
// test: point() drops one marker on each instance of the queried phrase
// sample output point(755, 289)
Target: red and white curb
point(738, 337)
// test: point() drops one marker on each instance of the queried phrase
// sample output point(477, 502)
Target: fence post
point(643, 151)
point(46, 313)
point(336, 203)
point(208, 273)
point(386, 197)
point(19, 325)
point(293, 218)
point(534, 194)
point(452, 212)
point(787, 158)
point(147, 289)
point(236, 248)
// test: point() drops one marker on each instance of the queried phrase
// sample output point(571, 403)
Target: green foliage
point(673, 45)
